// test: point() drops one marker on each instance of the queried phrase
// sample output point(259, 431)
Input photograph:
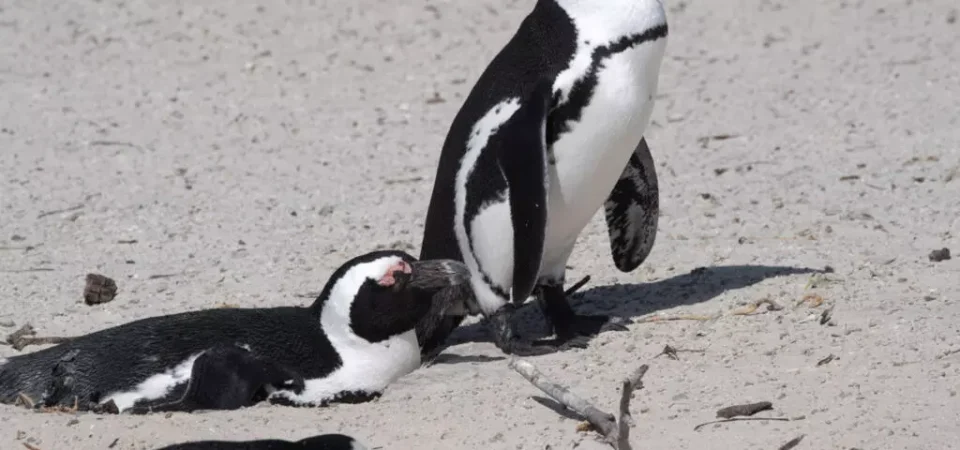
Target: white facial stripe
point(335, 316)
point(154, 387)
point(356, 445)
point(479, 136)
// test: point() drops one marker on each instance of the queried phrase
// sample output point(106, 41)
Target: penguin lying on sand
point(322, 442)
point(552, 130)
point(356, 338)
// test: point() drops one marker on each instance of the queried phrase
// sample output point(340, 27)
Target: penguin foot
point(508, 342)
point(109, 407)
point(520, 347)
point(63, 408)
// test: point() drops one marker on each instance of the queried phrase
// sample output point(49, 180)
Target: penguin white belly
point(367, 367)
point(591, 156)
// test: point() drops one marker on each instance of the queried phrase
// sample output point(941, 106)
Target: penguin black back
point(321, 442)
point(131, 353)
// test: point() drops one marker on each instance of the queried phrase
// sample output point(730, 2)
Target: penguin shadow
point(634, 300)
point(453, 358)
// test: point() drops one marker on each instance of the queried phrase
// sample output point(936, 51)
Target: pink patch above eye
point(388, 279)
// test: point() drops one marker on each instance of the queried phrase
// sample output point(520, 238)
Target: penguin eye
point(396, 276)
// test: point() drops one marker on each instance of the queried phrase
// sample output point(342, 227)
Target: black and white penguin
point(552, 130)
point(321, 442)
point(356, 338)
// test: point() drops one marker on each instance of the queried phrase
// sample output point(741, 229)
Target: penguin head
point(385, 293)
point(333, 441)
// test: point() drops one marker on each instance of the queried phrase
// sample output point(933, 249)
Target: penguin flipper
point(333, 441)
point(227, 377)
point(521, 149)
point(632, 210)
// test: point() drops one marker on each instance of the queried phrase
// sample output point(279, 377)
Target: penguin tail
point(11, 384)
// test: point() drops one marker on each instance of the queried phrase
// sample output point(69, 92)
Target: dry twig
point(743, 410)
point(753, 307)
point(739, 419)
point(31, 269)
point(27, 341)
point(669, 351)
point(792, 443)
point(826, 360)
point(576, 287)
point(696, 317)
point(26, 336)
point(616, 432)
point(63, 409)
point(58, 211)
point(814, 300)
point(25, 400)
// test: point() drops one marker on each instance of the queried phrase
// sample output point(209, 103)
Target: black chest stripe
point(582, 90)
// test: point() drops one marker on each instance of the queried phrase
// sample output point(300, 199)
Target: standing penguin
point(553, 129)
point(356, 338)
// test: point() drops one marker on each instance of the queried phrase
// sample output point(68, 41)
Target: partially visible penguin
point(356, 338)
point(552, 130)
point(321, 442)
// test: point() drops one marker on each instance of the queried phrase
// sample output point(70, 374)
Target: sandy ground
point(250, 148)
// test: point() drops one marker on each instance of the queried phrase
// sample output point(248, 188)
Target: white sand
point(307, 131)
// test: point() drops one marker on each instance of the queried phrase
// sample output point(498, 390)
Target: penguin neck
point(365, 367)
point(606, 20)
point(316, 308)
point(333, 317)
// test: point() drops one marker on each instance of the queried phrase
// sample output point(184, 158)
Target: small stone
point(940, 255)
point(7, 323)
point(99, 289)
point(17, 238)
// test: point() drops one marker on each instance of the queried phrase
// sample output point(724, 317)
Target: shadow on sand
point(636, 300)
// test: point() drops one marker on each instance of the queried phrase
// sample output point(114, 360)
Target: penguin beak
point(438, 274)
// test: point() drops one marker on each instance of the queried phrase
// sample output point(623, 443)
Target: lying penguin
point(322, 442)
point(356, 338)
